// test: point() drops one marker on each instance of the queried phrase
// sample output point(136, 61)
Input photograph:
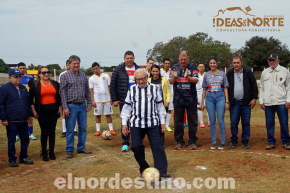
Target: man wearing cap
point(15, 114)
point(275, 97)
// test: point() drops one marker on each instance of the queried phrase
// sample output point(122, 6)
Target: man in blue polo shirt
point(184, 77)
point(24, 81)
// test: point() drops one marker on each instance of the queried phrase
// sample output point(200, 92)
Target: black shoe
point(246, 145)
point(233, 146)
point(75, 133)
point(63, 135)
point(164, 176)
point(13, 164)
point(25, 161)
point(44, 155)
point(51, 155)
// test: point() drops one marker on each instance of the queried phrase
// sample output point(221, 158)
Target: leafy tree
point(257, 49)
point(200, 48)
point(53, 66)
point(3, 67)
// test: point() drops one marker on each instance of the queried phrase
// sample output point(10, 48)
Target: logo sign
point(241, 20)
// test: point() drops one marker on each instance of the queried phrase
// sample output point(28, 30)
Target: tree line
point(200, 48)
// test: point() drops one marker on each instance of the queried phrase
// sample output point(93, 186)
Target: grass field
point(254, 170)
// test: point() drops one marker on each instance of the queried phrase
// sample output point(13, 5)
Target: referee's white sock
point(110, 126)
point(98, 126)
point(168, 118)
point(63, 126)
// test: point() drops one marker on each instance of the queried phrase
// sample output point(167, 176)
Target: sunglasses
point(45, 72)
point(17, 76)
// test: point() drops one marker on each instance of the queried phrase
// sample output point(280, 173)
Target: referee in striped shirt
point(144, 107)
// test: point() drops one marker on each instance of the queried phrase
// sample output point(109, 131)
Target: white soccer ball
point(106, 135)
point(151, 175)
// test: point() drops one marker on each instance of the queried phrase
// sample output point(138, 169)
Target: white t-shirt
point(166, 75)
point(199, 84)
point(100, 85)
point(61, 75)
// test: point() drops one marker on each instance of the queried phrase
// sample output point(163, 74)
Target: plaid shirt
point(74, 88)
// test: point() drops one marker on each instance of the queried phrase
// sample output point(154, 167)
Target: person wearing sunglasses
point(15, 114)
point(47, 108)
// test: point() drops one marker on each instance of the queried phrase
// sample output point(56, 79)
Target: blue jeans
point(270, 123)
point(215, 102)
point(240, 109)
point(22, 129)
point(159, 156)
point(77, 113)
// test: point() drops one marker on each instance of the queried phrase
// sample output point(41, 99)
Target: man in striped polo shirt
point(144, 106)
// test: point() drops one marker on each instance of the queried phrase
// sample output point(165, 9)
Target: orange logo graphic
point(246, 23)
point(236, 8)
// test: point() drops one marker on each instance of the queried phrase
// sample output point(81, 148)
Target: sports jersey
point(25, 79)
point(184, 91)
point(199, 84)
point(100, 86)
point(167, 76)
point(215, 82)
point(130, 72)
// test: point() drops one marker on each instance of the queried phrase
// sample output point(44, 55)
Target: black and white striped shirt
point(144, 107)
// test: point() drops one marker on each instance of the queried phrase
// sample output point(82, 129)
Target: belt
point(72, 103)
point(239, 100)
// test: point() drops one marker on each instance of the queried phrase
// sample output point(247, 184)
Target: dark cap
point(14, 71)
point(273, 57)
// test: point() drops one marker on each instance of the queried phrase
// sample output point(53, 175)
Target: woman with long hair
point(215, 91)
point(163, 87)
point(46, 108)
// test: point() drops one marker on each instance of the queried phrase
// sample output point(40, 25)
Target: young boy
point(99, 85)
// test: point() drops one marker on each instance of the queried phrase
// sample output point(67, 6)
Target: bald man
point(184, 77)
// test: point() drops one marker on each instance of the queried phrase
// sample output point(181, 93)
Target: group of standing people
point(146, 98)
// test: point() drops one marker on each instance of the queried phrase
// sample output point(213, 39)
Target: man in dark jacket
point(121, 80)
point(243, 92)
point(15, 113)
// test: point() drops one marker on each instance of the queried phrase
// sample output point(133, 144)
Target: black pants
point(125, 139)
point(192, 123)
point(47, 120)
point(159, 156)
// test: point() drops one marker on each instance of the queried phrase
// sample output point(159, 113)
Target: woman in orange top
point(47, 108)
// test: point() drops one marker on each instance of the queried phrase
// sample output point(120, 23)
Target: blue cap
point(14, 71)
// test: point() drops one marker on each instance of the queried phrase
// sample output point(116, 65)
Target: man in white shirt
point(165, 72)
point(274, 97)
point(199, 90)
point(143, 104)
point(99, 85)
point(149, 63)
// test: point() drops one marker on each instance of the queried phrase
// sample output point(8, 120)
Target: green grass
point(254, 170)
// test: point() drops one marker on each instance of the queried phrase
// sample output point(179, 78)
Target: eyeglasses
point(17, 76)
point(139, 79)
point(45, 72)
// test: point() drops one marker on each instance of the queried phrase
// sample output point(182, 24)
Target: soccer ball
point(151, 175)
point(106, 135)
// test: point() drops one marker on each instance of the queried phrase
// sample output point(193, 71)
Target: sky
point(48, 32)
